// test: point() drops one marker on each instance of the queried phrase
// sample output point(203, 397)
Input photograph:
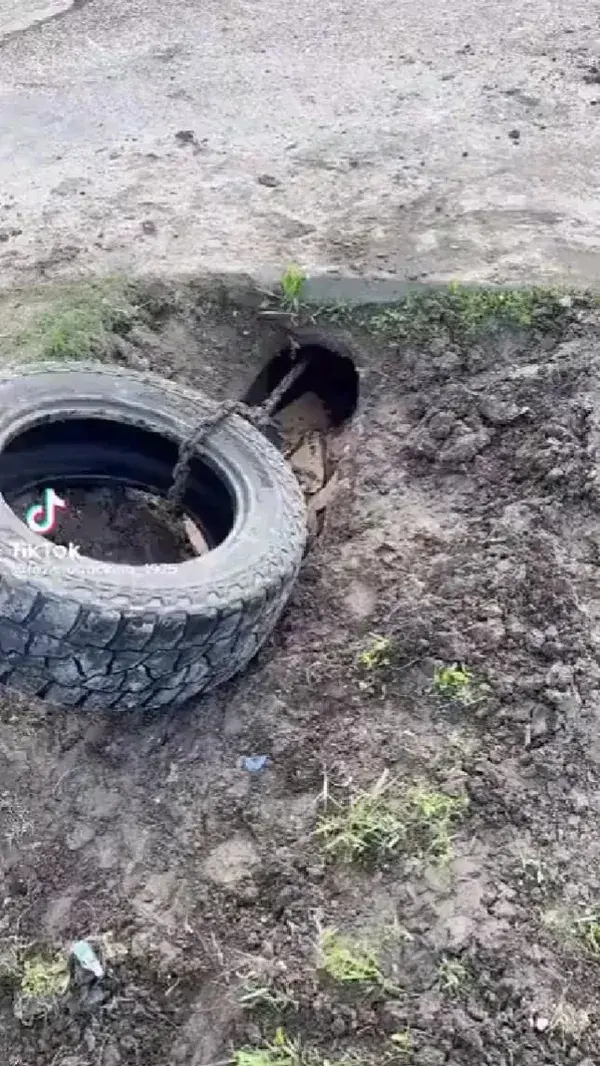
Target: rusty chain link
point(259, 417)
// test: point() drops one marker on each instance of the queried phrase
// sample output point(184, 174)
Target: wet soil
point(472, 538)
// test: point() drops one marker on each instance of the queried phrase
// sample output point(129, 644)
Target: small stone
point(539, 723)
point(579, 800)
point(541, 1024)
point(465, 448)
point(268, 180)
point(501, 414)
point(149, 227)
point(440, 426)
point(515, 135)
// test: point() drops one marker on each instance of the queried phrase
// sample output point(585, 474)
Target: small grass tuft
point(375, 826)
point(432, 818)
point(569, 1023)
point(292, 287)
point(257, 995)
point(45, 976)
point(366, 829)
point(348, 961)
point(284, 1051)
point(452, 976)
point(587, 929)
point(457, 684)
point(376, 654)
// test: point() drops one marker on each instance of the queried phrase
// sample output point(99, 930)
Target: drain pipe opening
point(315, 417)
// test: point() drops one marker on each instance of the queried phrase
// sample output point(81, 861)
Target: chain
point(259, 417)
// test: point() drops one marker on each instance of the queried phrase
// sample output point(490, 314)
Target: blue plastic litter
point(255, 764)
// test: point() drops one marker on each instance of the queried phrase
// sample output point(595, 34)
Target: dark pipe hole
point(329, 375)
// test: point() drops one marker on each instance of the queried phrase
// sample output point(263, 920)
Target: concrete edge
point(351, 291)
point(252, 290)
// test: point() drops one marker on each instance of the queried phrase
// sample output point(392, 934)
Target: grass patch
point(457, 684)
point(80, 322)
point(348, 961)
point(43, 980)
point(284, 1051)
point(375, 826)
point(569, 1023)
point(587, 930)
point(452, 977)
point(461, 314)
point(377, 653)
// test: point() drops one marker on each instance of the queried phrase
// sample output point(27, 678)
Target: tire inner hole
point(114, 479)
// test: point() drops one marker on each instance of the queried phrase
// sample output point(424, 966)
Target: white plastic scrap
point(87, 958)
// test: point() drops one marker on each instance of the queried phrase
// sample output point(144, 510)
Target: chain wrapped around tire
point(96, 635)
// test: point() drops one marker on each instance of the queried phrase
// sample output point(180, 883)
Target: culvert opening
point(315, 417)
point(114, 479)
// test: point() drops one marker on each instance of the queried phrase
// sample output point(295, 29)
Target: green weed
point(349, 961)
point(587, 929)
point(452, 976)
point(292, 287)
point(376, 826)
point(457, 684)
point(377, 654)
point(44, 979)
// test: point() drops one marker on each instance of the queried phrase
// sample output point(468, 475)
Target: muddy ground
point(472, 538)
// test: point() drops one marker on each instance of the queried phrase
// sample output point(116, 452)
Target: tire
point(98, 635)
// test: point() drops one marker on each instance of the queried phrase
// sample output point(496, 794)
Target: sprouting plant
point(457, 684)
point(376, 654)
point(349, 961)
point(587, 929)
point(292, 286)
point(451, 976)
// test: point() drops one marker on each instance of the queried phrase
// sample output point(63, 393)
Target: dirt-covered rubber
point(99, 635)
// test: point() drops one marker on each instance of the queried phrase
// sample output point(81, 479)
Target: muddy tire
point(96, 635)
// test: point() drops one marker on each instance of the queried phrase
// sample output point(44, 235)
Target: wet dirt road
point(430, 142)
